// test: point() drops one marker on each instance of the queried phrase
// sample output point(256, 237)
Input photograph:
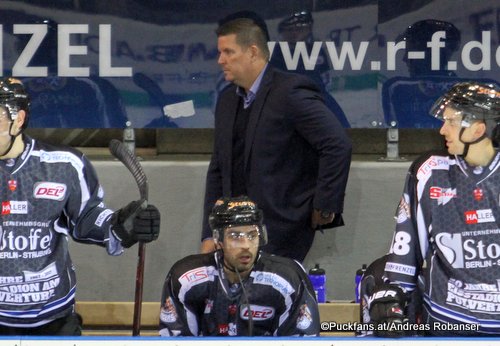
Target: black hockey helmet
point(297, 19)
point(13, 97)
point(419, 33)
point(475, 101)
point(233, 212)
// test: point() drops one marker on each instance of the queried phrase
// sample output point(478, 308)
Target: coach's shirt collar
point(249, 97)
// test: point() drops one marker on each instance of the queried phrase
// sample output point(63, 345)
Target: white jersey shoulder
point(434, 162)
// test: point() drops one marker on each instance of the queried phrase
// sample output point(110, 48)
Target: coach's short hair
point(247, 33)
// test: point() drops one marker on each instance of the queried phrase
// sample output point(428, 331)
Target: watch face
point(325, 214)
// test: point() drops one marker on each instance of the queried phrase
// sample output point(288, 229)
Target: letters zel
point(65, 51)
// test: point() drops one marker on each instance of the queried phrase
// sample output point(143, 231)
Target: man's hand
point(320, 218)
point(386, 306)
point(134, 223)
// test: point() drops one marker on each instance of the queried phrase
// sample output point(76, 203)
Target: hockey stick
point(120, 151)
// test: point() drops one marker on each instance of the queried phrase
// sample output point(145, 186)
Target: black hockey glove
point(134, 223)
point(386, 306)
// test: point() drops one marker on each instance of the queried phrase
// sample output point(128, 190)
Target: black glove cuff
point(122, 223)
point(387, 294)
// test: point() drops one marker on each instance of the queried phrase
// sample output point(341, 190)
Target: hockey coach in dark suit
point(275, 141)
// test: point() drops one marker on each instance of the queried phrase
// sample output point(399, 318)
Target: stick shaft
point(129, 160)
point(139, 284)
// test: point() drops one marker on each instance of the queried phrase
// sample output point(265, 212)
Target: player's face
point(296, 33)
point(240, 247)
point(451, 129)
point(417, 67)
point(234, 59)
point(5, 123)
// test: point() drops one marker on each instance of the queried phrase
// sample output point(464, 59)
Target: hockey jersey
point(48, 194)
point(447, 243)
point(277, 299)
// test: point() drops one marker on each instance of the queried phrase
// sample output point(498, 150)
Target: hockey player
point(298, 27)
point(406, 100)
point(446, 243)
point(238, 290)
point(50, 193)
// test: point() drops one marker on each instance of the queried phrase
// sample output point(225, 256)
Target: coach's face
point(235, 61)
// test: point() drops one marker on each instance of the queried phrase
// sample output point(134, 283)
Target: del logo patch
point(48, 190)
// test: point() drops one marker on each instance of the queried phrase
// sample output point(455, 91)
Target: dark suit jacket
point(297, 157)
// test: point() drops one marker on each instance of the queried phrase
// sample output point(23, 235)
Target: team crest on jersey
point(442, 194)
point(12, 185)
point(478, 194)
point(304, 320)
point(403, 212)
point(49, 190)
point(232, 309)
point(168, 313)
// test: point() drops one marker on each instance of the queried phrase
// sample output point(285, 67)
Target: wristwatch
point(325, 214)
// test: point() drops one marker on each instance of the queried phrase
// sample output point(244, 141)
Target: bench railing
point(116, 318)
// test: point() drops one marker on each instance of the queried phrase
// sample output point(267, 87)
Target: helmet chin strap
point(220, 257)
point(246, 302)
point(468, 144)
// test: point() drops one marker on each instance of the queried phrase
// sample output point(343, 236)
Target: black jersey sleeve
point(181, 307)
point(173, 321)
point(87, 217)
point(304, 318)
point(409, 242)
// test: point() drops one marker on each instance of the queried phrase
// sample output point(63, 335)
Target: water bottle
point(318, 279)
point(129, 137)
point(357, 282)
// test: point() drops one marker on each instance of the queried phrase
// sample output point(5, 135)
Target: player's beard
point(243, 261)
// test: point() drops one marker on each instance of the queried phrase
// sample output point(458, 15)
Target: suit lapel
point(229, 108)
point(229, 115)
point(256, 112)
